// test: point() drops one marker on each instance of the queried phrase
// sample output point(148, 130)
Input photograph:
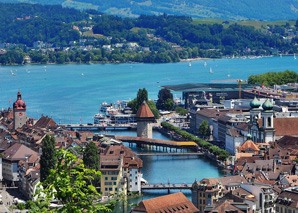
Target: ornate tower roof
point(255, 103)
point(267, 105)
point(19, 103)
point(144, 112)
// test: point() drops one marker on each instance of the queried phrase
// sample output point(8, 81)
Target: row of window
point(110, 183)
point(110, 173)
point(110, 189)
point(112, 178)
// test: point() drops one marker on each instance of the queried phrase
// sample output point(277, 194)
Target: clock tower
point(19, 112)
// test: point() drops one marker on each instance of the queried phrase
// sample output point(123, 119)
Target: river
point(161, 169)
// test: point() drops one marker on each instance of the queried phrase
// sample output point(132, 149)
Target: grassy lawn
point(253, 23)
point(91, 34)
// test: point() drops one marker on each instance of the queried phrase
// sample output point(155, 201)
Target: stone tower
point(144, 119)
point(267, 131)
point(19, 112)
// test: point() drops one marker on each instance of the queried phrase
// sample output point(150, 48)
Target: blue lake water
point(62, 92)
point(65, 94)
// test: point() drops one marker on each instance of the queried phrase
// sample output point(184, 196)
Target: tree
point(91, 160)
point(169, 104)
point(48, 159)
point(153, 108)
point(163, 96)
point(142, 96)
point(91, 156)
point(70, 183)
point(204, 129)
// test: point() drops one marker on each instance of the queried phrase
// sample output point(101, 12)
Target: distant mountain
point(269, 10)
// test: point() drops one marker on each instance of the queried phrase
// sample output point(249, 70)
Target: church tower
point(144, 119)
point(19, 112)
point(267, 131)
point(255, 115)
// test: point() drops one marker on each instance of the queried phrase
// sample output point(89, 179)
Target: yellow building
point(111, 180)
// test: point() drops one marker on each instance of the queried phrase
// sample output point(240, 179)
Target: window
point(115, 183)
point(136, 183)
point(113, 178)
point(110, 189)
point(106, 178)
point(106, 189)
point(269, 122)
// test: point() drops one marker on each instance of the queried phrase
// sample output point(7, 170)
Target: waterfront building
point(144, 117)
point(120, 170)
point(177, 202)
point(208, 191)
point(19, 112)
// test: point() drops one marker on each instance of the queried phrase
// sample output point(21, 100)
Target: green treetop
point(91, 156)
point(69, 183)
point(163, 96)
point(48, 159)
point(204, 129)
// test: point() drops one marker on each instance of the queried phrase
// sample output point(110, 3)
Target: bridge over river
point(170, 154)
point(168, 186)
point(158, 144)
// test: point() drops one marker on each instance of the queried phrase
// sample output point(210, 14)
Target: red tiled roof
point(177, 202)
point(286, 126)
point(144, 111)
point(249, 144)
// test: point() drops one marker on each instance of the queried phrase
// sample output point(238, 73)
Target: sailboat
point(210, 71)
point(294, 56)
point(189, 64)
point(280, 55)
point(205, 64)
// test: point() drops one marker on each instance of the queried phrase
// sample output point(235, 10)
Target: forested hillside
point(53, 34)
point(269, 10)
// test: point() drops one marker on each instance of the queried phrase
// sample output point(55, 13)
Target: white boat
point(104, 106)
point(189, 64)
point(99, 118)
point(280, 55)
point(210, 71)
point(82, 74)
point(294, 56)
point(205, 64)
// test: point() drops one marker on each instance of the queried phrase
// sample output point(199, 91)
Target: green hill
point(269, 10)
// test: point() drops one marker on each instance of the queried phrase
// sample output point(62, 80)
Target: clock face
point(21, 114)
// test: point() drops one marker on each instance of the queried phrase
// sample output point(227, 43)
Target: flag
point(80, 119)
point(263, 86)
point(9, 101)
point(118, 102)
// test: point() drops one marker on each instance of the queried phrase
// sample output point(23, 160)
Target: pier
point(99, 126)
point(156, 144)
